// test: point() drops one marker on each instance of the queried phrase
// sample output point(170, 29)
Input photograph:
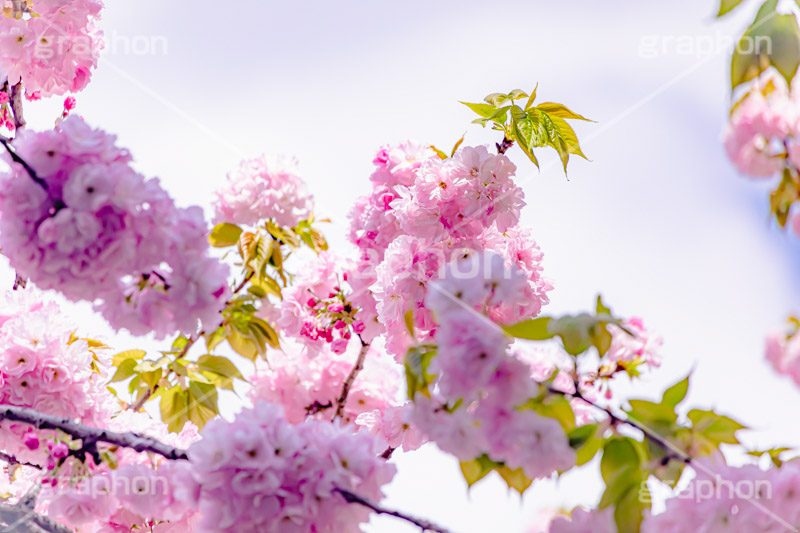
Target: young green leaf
point(676, 393)
point(224, 235)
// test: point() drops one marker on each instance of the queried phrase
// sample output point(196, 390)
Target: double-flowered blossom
point(317, 309)
point(477, 406)
point(585, 521)
point(310, 383)
point(95, 229)
point(138, 494)
point(51, 46)
point(726, 498)
point(762, 126)
point(424, 212)
point(783, 352)
point(264, 189)
point(45, 367)
point(261, 473)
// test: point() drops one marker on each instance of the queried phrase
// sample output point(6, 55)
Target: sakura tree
point(430, 330)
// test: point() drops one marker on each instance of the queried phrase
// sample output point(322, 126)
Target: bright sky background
point(659, 221)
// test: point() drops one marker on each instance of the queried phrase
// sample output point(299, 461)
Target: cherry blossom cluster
point(311, 384)
point(423, 212)
point(783, 351)
point(477, 406)
point(44, 367)
point(317, 310)
point(138, 494)
point(52, 47)
point(95, 229)
point(264, 189)
point(261, 473)
point(727, 498)
point(6, 115)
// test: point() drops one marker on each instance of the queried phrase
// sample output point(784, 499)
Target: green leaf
point(516, 94)
point(620, 468)
point(773, 453)
point(773, 39)
point(496, 99)
point(152, 377)
point(555, 406)
point(676, 393)
point(629, 510)
point(561, 111)
point(586, 440)
point(652, 413)
point(477, 469)
point(515, 479)
point(726, 6)
point(174, 408)
point(243, 346)
point(602, 308)
point(441, 154)
point(219, 365)
point(136, 355)
point(224, 235)
point(124, 370)
point(784, 196)
point(283, 235)
point(575, 332)
point(535, 329)
point(715, 428)
point(417, 361)
point(532, 97)
point(262, 327)
point(458, 143)
point(484, 110)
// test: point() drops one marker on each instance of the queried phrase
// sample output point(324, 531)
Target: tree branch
point(17, 159)
point(505, 145)
point(424, 525)
point(672, 450)
point(134, 441)
point(16, 106)
point(19, 516)
point(348, 382)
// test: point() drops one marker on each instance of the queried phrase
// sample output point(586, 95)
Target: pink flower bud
point(51, 463)
point(340, 324)
point(336, 308)
point(339, 346)
point(69, 103)
point(3, 98)
point(312, 302)
point(359, 327)
point(60, 450)
point(31, 440)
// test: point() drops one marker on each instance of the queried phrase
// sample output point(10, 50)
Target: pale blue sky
point(659, 221)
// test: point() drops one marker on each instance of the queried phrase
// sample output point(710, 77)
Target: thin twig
point(189, 343)
point(348, 382)
point(424, 525)
point(134, 441)
point(505, 145)
point(667, 446)
point(13, 461)
point(16, 106)
point(17, 159)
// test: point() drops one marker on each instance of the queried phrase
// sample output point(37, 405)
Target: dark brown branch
point(134, 441)
point(16, 106)
point(348, 382)
point(13, 461)
point(17, 159)
point(505, 145)
point(424, 525)
point(672, 450)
